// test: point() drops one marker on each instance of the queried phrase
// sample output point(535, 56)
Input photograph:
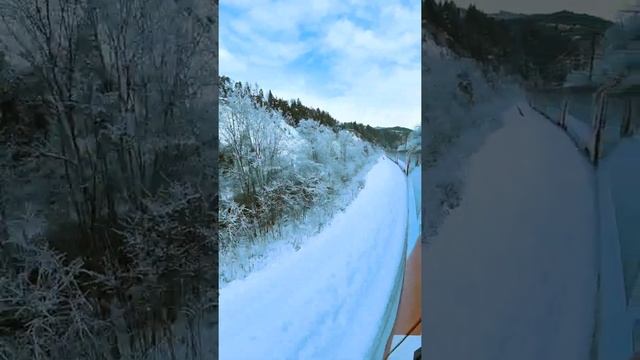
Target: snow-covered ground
point(273, 204)
point(512, 271)
point(619, 203)
point(623, 169)
point(456, 124)
point(328, 299)
point(580, 117)
point(580, 131)
point(252, 257)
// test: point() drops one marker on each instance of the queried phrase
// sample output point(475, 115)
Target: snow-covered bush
point(45, 311)
point(462, 102)
point(112, 136)
point(273, 174)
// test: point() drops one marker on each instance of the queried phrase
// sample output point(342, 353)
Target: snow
point(613, 339)
point(619, 203)
point(308, 172)
point(401, 164)
point(623, 172)
point(512, 272)
point(291, 140)
point(580, 131)
point(580, 116)
point(329, 299)
point(252, 257)
point(456, 126)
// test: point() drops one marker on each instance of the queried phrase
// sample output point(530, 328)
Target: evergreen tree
point(270, 100)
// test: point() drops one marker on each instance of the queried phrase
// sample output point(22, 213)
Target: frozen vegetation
point(314, 222)
point(461, 103)
point(279, 183)
point(107, 136)
point(331, 298)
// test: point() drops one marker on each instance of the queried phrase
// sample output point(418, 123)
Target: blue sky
point(357, 59)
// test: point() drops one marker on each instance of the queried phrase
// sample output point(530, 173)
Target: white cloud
point(229, 62)
point(370, 52)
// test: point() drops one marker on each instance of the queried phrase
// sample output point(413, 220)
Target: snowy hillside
point(336, 289)
point(512, 272)
point(532, 245)
point(315, 224)
point(279, 183)
point(460, 102)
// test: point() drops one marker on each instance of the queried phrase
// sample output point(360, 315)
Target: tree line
point(535, 47)
point(276, 176)
point(294, 111)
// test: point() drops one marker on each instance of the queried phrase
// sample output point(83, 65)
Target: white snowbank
point(327, 300)
point(512, 273)
point(619, 205)
point(580, 131)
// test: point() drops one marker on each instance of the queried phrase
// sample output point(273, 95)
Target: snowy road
point(512, 273)
point(327, 300)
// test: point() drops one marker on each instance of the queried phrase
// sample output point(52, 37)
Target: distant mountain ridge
point(506, 15)
point(541, 48)
point(564, 17)
point(567, 22)
point(387, 137)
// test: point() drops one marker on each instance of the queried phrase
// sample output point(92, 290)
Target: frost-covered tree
point(251, 136)
point(121, 81)
point(122, 174)
point(459, 112)
point(273, 174)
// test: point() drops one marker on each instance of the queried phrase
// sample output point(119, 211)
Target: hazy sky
point(357, 59)
point(603, 8)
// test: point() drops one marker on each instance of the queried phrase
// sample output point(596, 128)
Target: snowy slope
point(456, 124)
point(619, 204)
point(623, 170)
point(512, 273)
point(327, 300)
point(290, 139)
